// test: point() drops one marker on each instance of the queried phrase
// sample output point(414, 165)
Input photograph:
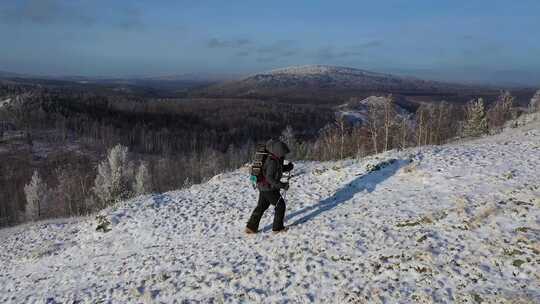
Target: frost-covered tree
point(143, 181)
point(187, 183)
point(36, 197)
point(115, 176)
point(288, 137)
point(534, 105)
point(476, 120)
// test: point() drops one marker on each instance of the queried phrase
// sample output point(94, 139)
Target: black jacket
point(273, 167)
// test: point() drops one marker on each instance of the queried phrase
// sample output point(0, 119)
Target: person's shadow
point(366, 182)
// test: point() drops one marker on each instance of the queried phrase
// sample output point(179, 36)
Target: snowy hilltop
point(311, 81)
point(318, 69)
point(458, 223)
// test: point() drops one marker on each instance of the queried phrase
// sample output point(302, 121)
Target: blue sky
point(453, 40)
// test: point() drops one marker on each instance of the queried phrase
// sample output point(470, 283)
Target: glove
point(285, 186)
point(288, 167)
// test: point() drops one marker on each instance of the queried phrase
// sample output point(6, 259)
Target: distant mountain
point(510, 78)
point(160, 86)
point(4, 74)
point(321, 81)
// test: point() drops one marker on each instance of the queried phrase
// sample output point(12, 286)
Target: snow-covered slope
point(356, 112)
point(455, 223)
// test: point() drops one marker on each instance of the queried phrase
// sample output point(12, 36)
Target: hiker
point(269, 187)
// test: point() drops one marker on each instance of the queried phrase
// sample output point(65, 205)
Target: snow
point(321, 69)
point(445, 224)
point(356, 112)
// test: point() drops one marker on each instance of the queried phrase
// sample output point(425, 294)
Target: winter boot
point(284, 229)
point(249, 231)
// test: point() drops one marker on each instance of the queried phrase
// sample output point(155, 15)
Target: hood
point(277, 148)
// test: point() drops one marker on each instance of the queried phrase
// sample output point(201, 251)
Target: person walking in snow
point(270, 186)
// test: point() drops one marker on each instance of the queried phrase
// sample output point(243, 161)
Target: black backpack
point(256, 168)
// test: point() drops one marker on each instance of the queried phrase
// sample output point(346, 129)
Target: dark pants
point(267, 198)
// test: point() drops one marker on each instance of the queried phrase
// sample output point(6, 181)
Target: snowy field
point(452, 224)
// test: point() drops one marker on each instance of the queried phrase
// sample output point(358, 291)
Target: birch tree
point(374, 123)
point(389, 109)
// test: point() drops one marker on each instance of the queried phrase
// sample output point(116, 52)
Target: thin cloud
point(276, 51)
point(262, 52)
point(44, 12)
point(242, 54)
point(216, 43)
point(130, 18)
point(266, 59)
point(370, 44)
point(55, 12)
point(331, 53)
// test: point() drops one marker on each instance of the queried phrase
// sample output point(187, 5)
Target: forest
point(67, 152)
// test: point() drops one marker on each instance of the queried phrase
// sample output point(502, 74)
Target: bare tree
point(422, 123)
point(389, 119)
point(374, 123)
point(404, 132)
point(501, 111)
point(327, 143)
point(341, 128)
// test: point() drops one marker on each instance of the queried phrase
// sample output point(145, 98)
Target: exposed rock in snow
point(440, 224)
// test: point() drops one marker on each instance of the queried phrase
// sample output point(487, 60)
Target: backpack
point(256, 168)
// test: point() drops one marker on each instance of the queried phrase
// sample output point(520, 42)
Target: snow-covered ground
point(450, 224)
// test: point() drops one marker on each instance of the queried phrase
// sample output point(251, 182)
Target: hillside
point(453, 223)
point(327, 84)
